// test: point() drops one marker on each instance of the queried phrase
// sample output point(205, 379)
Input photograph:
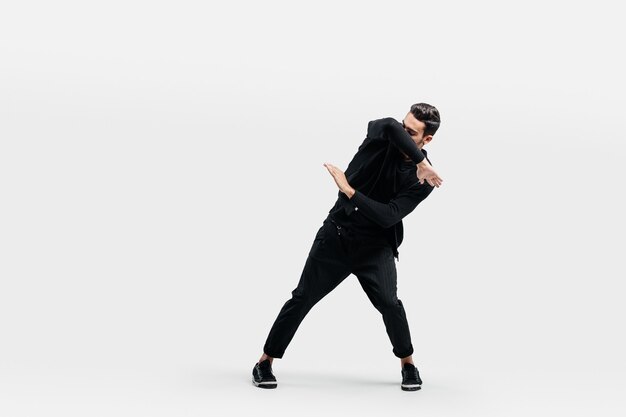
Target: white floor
point(329, 387)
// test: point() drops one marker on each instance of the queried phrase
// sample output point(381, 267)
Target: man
point(386, 179)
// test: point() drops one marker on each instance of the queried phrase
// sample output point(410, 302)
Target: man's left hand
point(340, 180)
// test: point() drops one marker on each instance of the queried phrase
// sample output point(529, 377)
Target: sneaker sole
point(267, 384)
point(406, 387)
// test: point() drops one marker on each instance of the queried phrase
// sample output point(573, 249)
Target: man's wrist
point(350, 192)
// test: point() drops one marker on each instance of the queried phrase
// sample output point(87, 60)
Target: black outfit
point(361, 236)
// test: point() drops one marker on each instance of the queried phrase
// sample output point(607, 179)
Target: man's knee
point(388, 303)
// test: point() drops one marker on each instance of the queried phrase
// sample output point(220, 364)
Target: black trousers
point(336, 253)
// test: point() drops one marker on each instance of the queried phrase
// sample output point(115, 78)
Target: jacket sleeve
point(388, 214)
point(390, 129)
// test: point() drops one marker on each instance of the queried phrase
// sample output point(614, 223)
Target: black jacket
point(386, 184)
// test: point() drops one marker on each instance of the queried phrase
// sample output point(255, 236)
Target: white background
point(161, 183)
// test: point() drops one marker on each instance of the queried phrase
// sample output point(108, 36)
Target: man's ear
point(427, 139)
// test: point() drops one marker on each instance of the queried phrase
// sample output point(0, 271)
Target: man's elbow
point(386, 123)
point(388, 222)
point(380, 127)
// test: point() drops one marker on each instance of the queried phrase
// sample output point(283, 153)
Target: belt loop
point(338, 227)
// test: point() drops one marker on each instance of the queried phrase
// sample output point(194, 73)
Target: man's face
point(415, 128)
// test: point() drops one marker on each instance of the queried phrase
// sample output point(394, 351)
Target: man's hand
point(426, 172)
point(340, 180)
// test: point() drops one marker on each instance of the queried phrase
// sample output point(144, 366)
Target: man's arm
point(384, 214)
point(388, 214)
point(390, 129)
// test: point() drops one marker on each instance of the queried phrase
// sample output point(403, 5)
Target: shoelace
point(265, 370)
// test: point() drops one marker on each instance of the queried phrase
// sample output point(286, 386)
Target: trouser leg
point(376, 272)
point(324, 269)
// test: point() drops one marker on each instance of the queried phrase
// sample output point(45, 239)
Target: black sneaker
point(262, 375)
point(411, 380)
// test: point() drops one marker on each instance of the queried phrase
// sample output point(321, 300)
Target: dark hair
point(427, 114)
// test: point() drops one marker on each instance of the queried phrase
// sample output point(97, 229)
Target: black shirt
point(386, 184)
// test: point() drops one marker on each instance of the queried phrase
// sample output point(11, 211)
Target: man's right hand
point(426, 172)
